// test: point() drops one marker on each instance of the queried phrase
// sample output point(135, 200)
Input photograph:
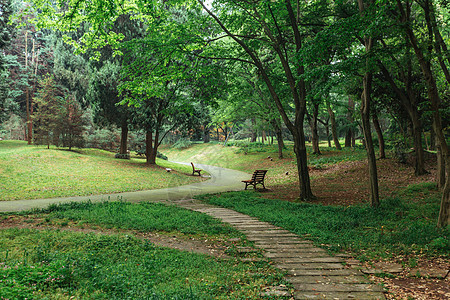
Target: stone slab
point(429, 272)
point(322, 272)
point(327, 279)
point(296, 257)
point(338, 287)
point(299, 253)
point(339, 295)
point(308, 266)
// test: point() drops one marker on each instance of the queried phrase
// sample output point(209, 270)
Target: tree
point(71, 123)
point(49, 102)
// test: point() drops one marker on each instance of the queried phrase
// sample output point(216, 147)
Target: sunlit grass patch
point(30, 172)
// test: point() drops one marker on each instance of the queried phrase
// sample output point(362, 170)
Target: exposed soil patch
point(429, 279)
point(347, 183)
point(213, 247)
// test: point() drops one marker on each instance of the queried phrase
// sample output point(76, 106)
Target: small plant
point(122, 156)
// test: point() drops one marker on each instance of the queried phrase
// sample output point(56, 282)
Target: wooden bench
point(257, 178)
point(194, 170)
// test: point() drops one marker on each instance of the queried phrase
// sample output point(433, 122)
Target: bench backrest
point(192, 166)
point(258, 175)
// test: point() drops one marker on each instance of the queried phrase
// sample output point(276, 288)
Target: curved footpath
point(222, 180)
point(313, 273)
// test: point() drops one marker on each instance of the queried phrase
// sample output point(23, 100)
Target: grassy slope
point(30, 172)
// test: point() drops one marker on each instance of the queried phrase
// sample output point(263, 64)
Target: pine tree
point(48, 109)
point(72, 124)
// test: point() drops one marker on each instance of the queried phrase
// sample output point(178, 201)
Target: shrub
point(182, 143)
point(122, 155)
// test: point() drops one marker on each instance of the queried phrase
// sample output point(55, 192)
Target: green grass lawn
point(31, 172)
point(60, 264)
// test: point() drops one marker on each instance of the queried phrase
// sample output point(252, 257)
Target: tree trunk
point(440, 174)
point(365, 116)
point(254, 132)
point(334, 128)
point(379, 132)
point(302, 165)
point(327, 129)
point(124, 138)
point(206, 138)
point(350, 135)
point(314, 131)
point(150, 152)
point(279, 135)
point(444, 212)
point(419, 163)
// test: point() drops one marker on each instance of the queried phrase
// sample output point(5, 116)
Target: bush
point(122, 155)
point(182, 143)
point(161, 156)
point(141, 152)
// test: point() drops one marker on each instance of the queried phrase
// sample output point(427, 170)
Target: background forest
point(128, 75)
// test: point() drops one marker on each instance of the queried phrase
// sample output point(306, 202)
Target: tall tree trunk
point(279, 135)
point(365, 116)
point(150, 153)
point(124, 138)
point(327, 129)
point(334, 128)
point(254, 132)
point(27, 95)
point(302, 165)
point(350, 135)
point(419, 161)
point(440, 174)
point(314, 130)
point(381, 145)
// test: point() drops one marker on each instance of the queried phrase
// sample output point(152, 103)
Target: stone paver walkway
point(313, 273)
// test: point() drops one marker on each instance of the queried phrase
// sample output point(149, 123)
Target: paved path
point(313, 273)
point(222, 180)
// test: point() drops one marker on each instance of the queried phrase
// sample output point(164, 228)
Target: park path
point(222, 180)
point(313, 273)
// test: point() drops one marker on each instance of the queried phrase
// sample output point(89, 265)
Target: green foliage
point(104, 138)
point(47, 118)
point(122, 156)
point(182, 143)
point(398, 226)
